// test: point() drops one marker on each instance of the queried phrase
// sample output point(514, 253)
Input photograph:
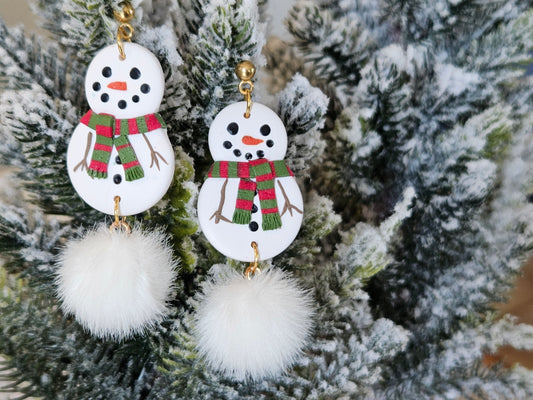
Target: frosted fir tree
point(409, 128)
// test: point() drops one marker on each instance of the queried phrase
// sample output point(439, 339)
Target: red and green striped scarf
point(114, 132)
point(264, 172)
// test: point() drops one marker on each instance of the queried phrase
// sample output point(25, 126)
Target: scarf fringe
point(97, 174)
point(133, 173)
point(241, 216)
point(271, 221)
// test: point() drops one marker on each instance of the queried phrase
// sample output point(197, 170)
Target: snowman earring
point(116, 280)
point(250, 325)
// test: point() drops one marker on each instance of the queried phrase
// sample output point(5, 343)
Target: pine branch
point(51, 357)
point(503, 53)
point(302, 109)
point(26, 63)
point(228, 34)
point(177, 212)
point(81, 26)
point(30, 244)
point(337, 47)
point(42, 127)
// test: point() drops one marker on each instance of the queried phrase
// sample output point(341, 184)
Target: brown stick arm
point(218, 212)
point(83, 163)
point(288, 206)
point(154, 154)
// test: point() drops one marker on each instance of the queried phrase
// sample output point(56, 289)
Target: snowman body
point(259, 139)
point(130, 91)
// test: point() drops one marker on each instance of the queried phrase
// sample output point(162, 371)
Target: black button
point(253, 226)
point(254, 208)
point(118, 160)
point(117, 179)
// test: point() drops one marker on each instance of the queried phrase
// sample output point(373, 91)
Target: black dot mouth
point(227, 144)
point(122, 104)
point(237, 152)
point(104, 97)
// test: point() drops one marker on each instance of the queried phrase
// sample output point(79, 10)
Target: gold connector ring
point(119, 223)
point(125, 30)
point(245, 71)
point(253, 268)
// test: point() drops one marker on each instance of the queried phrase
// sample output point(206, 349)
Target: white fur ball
point(252, 328)
point(115, 283)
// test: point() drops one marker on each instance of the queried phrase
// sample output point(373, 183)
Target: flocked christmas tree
point(409, 128)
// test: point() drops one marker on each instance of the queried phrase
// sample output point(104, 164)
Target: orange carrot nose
point(118, 85)
point(251, 140)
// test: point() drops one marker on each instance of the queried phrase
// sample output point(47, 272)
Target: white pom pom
point(115, 283)
point(252, 328)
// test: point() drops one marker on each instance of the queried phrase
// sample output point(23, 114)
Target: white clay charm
point(250, 195)
point(121, 147)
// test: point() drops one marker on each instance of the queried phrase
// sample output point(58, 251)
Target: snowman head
point(232, 137)
point(126, 88)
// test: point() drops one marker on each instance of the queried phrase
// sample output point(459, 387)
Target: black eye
point(122, 104)
point(135, 99)
point(106, 72)
point(233, 128)
point(237, 152)
point(270, 143)
point(227, 144)
point(104, 97)
point(265, 130)
point(135, 73)
point(96, 86)
point(145, 88)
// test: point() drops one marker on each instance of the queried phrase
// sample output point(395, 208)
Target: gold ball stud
point(245, 70)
